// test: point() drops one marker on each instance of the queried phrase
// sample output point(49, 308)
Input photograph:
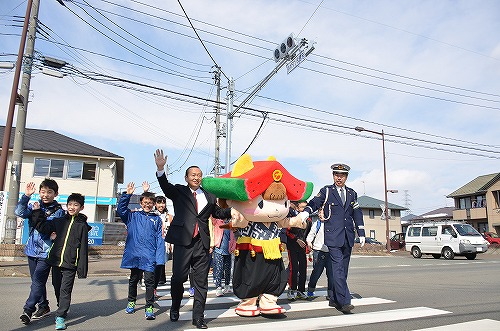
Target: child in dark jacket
point(68, 255)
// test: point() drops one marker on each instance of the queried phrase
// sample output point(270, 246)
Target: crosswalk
point(222, 308)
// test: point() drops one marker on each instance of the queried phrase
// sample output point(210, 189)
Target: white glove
point(303, 215)
point(362, 241)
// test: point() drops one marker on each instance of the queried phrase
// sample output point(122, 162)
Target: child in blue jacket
point(37, 246)
point(144, 247)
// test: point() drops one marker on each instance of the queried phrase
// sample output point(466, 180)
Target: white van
point(445, 239)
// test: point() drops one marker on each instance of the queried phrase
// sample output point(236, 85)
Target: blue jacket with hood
point(145, 246)
point(38, 244)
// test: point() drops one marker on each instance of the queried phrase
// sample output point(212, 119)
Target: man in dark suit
point(190, 236)
point(342, 213)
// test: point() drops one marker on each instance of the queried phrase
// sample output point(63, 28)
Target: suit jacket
point(339, 220)
point(181, 229)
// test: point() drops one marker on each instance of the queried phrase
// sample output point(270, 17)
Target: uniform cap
point(340, 167)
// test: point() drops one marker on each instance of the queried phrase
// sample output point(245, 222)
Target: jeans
point(39, 272)
point(320, 262)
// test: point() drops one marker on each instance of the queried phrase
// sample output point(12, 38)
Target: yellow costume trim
point(270, 248)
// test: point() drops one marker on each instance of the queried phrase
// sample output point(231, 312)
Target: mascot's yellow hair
point(275, 191)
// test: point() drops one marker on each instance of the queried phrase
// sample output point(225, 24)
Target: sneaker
point(150, 315)
point(311, 296)
point(25, 317)
point(291, 295)
point(60, 325)
point(226, 289)
point(300, 296)
point(41, 312)
point(130, 307)
point(191, 292)
point(218, 292)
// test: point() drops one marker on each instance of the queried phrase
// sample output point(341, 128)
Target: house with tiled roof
point(75, 165)
point(478, 203)
point(375, 225)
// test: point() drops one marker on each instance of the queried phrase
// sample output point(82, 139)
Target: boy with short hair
point(144, 247)
point(37, 246)
point(68, 255)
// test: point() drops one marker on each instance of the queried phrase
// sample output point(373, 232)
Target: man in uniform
point(342, 214)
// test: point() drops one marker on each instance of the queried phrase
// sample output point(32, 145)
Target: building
point(75, 165)
point(478, 202)
point(375, 225)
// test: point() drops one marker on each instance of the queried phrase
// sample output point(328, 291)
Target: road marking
point(483, 325)
point(337, 321)
point(290, 307)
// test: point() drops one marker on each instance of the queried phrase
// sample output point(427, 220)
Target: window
point(81, 170)
point(414, 231)
point(372, 234)
point(496, 196)
point(465, 203)
point(49, 168)
point(371, 212)
point(429, 231)
point(56, 169)
point(393, 212)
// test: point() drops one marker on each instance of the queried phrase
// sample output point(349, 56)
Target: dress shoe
point(200, 323)
point(346, 309)
point(174, 315)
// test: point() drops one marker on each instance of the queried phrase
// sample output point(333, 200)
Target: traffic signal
point(284, 47)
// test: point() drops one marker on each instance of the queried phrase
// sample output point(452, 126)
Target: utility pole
point(13, 97)
point(217, 125)
point(17, 154)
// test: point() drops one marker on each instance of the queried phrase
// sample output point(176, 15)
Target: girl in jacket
point(222, 244)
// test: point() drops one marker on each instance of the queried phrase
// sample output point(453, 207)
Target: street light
point(386, 204)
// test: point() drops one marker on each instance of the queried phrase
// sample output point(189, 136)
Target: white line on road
point(337, 321)
point(483, 325)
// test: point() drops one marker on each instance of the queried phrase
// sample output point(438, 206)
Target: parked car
point(492, 238)
point(368, 240)
point(398, 241)
point(445, 239)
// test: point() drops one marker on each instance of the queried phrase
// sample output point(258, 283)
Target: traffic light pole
point(229, 110)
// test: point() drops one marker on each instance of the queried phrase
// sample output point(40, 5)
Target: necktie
point(342, 195)
point(195, 232)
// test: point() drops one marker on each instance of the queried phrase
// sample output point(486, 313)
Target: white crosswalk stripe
point(319, 323)
point(223, 308)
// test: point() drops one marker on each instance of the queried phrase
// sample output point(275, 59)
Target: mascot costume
point(261, 191)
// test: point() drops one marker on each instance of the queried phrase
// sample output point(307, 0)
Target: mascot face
point(260, 210)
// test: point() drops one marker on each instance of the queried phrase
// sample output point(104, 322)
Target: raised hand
point(35, 205)
point(30, 189)
point(160, 160)
point(145, 186)
point(130, 188)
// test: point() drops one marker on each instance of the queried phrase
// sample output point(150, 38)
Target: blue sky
point(425, 72)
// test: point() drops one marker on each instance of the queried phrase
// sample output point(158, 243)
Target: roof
point(438, 213)
point(48, 141)
point(365, 201)
point(408, 218)
point(478, 185)
point(36, 140)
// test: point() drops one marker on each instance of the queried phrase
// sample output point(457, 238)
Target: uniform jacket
point(38, 244)
point(181, 229)
point(144, 247)
point(70, 248)
point(339, 220)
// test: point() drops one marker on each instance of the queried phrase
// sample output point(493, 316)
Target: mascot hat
point(250, 179)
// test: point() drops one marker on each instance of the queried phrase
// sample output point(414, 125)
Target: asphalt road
point(396, 293)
